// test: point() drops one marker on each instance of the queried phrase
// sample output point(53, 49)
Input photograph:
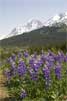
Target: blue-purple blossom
point(47, 77)
point(26, 54)
point(33, 75)
point(31, 61)
point(40, 62)
point(43, 57)
point(58, 71)
point(35, 67)
point(60, 57)
point(35, 64)
point(46, 73)
point(51, 58)
point(21, 68)
point(13, 57)
point(49, 64)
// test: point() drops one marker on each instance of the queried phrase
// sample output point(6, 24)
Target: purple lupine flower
point(50, 61)
point(43, 56)
point(35, 67)
point(33, 75)
point(60, 57)
point(51, 58)
point(40, 62)
point(31, 62)
point(21, 68)
point(46, 72)
point(49, 64)
point(23, 94)
point(36, 64)
point(26, 54)
point(13, 57)
point(13, 66)
point(47, 77)
point(55, 57)
point(58, 71)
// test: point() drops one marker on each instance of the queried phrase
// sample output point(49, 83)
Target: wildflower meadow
point(37, 77)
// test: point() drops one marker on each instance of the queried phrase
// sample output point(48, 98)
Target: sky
point(16, 12)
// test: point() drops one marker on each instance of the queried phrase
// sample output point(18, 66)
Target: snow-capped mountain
point(57, 19)
point(36, 24)
point(31, 25)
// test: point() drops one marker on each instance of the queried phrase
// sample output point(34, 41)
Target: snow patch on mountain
point(57, 19)
point(31, 25)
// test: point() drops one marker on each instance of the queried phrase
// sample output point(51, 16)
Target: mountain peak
point(57, 19)
point(27, 27)
point(34, 24)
